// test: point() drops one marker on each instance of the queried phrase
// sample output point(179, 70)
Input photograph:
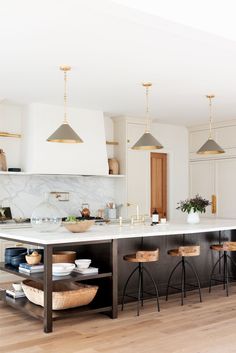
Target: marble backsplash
point(24, 192)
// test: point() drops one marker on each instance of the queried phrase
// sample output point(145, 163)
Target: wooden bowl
point(79, 227)
point(33, 260)
point(64, 256)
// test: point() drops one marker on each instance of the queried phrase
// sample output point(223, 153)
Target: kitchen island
point(106, 245)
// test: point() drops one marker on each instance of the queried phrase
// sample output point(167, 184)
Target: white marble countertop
point(107, 232)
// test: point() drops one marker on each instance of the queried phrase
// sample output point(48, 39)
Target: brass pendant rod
point(147, 86)
point(65, 97)
point(210, 115)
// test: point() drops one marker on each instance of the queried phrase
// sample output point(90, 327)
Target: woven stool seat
point(185, 251)
point(226, 246)
point(143, 256)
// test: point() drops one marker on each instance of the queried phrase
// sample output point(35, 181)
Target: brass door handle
point(128, 204)
point(213, 204)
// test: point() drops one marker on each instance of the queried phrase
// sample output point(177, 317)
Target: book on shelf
point(31, 267)
point(15, 294)
point(28, 271)
point(87, 271)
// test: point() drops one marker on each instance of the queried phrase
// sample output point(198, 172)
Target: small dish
point(83, 263)
point(62, 269)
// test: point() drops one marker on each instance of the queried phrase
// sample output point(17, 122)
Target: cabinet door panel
point(226, 187)
point(202, 181)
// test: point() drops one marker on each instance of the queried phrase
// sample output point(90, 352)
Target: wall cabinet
point(215, 174)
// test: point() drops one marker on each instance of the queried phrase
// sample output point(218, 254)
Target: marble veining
point(24, 192)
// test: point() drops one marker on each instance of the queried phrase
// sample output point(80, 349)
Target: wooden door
point(159, 183)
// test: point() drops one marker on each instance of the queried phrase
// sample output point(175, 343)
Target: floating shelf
point(67, 175)
point(8, 134)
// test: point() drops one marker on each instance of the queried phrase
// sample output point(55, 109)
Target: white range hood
point(40, 156)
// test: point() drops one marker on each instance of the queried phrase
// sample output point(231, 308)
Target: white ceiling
point(112, 47)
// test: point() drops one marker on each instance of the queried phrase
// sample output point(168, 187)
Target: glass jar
point(46, 217)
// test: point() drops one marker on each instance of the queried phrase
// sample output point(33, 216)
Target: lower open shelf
point(25, 306)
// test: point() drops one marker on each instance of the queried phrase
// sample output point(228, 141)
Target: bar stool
point(184, 252)
point(140, 258)
point(225, 248)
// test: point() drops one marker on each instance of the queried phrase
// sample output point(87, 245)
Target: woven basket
point(64, 296)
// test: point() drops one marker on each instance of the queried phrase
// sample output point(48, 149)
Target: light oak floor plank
point(207, 327)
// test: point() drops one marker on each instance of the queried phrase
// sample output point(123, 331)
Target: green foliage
point(71, 219)
point(197, 204)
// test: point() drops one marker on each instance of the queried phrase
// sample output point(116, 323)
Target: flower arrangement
point(195, 204)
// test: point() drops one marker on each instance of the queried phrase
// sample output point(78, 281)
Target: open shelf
point(25, 306)
point(63, 174)
point(38, 277)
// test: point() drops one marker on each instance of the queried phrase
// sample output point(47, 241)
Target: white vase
point(193, 217)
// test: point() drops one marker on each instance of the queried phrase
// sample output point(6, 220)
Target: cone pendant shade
point(210, 147)
point(147, 142)
point(65, 134)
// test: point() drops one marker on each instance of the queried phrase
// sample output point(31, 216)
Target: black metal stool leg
point(125, 287)
point(185, 293)
point(140, 270)
point(142, 286)
point(233, 262)
point(197, 278)
point(226, 274)
point(171, 274)
point(182, 281)
point(213, 270)
point(155, 286)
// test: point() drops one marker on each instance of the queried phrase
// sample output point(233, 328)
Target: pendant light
point(147, 141)
point(65, 133)
point(210, 146)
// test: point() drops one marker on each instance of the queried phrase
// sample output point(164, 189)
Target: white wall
point(10, 121)
point(175, 141)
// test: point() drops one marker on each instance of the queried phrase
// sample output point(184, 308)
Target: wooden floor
point(209, 327)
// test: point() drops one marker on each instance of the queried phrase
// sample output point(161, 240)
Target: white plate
point(61, 273)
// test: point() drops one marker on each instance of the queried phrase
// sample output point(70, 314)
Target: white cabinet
point(202, 181)
point(226, 187)
point(215, 174)
point(224, 134)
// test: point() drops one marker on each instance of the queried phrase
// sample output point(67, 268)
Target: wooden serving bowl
point(64, 256)
point(79, 227)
